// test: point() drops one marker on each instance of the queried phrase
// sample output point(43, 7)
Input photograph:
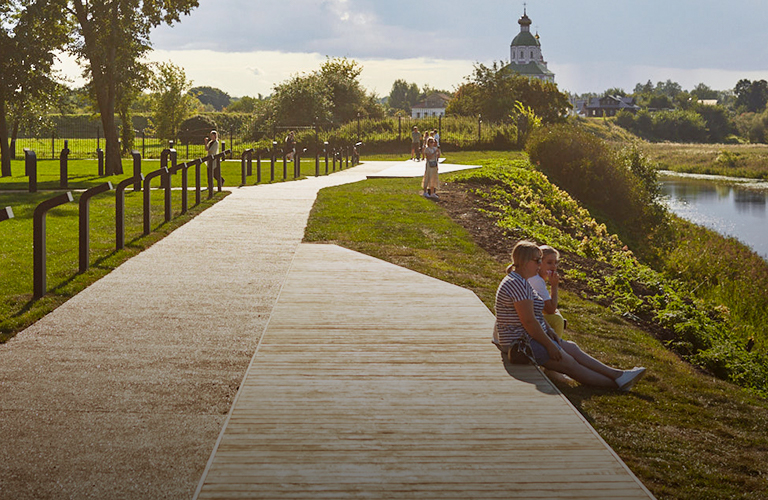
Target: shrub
point(193, 130)
point(620, 188)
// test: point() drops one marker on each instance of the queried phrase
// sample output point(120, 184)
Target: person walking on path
point(522, 334)
point(415, 143)
point(430, 181)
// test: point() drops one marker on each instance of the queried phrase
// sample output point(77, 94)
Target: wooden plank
point(372, 381)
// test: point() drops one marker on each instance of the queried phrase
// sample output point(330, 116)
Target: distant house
point(609, 105)
point(708, 102)
point(433, 105)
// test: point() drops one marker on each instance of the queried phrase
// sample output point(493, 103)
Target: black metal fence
point(391, 134)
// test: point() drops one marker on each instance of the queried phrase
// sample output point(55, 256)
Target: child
point(548, 271)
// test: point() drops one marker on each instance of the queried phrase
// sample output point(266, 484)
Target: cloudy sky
point(244, 47)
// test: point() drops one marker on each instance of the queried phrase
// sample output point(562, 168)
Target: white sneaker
point(629, 378)
point(434, 196)
point(427, 195)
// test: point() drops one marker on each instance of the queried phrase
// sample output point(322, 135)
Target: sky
point(245, 47)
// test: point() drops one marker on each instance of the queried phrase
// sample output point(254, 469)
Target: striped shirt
point(509, 328)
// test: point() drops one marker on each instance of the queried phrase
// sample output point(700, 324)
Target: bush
point(620, 188)
point(193, 130)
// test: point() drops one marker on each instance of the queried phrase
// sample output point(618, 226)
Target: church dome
point(525, 39)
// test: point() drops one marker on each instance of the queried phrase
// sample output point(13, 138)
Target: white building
point(525, 56)
point(433, 105)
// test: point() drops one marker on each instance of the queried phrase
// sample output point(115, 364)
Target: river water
point(730, 206)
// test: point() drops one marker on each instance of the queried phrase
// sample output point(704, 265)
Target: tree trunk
point(5, 150)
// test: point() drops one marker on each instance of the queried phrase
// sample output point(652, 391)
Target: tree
point(211, 96)
point(615, 91)
point(702, 91)
point(494, 92)
point(29, 32)
point(171, 101)
point(333, 94)
point(111, 36)
point(751, 96)
point(246, 104)
point(403, 95)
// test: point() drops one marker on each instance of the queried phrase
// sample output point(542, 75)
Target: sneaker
point(427, 195)
point(629, 378)
point(435, 197)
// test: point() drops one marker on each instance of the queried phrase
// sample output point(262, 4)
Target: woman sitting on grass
point(522, 334)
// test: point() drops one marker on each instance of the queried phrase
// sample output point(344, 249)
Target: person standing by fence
point(212, 148)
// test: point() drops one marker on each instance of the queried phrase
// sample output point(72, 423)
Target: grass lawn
point(735, 160)
point(17, 309)
point(683, 433)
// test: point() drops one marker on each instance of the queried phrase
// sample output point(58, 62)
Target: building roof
point(530, 69)
point(525, 39)
point(612, 102)
point(436, 100)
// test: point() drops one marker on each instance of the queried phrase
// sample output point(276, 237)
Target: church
point(525, 53)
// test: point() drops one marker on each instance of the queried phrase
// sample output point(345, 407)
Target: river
point(731, 206)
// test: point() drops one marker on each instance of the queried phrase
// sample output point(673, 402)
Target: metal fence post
point(209, 169)
point(479, 128)
point(245, 165)
point(272, 165)
point(197, 164)
point(146, 205)
point(136, 170)
point(100, 156)
point(85, 221)
point(325, 150)
point(120, 208)
point(30, 168)
point(258, 167)
point(285, 166)
point(38, 241)
point(63, 166)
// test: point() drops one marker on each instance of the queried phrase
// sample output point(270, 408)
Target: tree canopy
point(172, 102)
point(493, 92)
point(29, 33)
point(111, 37)
point(211, 96)
point(403, 95)
point(332, 94)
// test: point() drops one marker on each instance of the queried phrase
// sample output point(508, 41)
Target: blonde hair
point(523, 252)
point(548, 250)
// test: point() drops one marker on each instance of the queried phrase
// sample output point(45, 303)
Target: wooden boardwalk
point(373, 381)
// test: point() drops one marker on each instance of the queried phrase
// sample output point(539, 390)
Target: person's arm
point(550, 306)
point(527, 317)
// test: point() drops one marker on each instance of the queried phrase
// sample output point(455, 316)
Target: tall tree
point(403, 95)
point(29, 31)
point(112, 35)
point(171, 101)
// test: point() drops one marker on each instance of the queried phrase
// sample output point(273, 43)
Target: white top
point(540, 286)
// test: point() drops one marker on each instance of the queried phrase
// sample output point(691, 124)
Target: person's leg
point(580, 373)
point(588, 361)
